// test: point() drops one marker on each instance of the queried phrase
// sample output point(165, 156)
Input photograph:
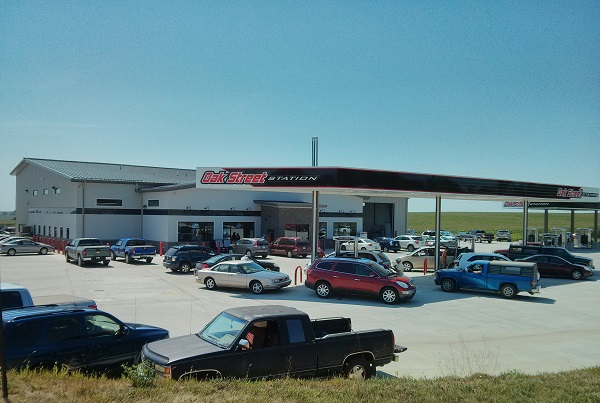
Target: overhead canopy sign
point(361, 181)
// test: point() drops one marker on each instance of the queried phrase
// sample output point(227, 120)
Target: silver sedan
point(241, 274)
point(15, 246)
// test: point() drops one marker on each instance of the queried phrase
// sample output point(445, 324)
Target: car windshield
point(223, 330)
point(382, 271)
point(250, 267)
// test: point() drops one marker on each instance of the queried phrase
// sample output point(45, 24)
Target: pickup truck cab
point(84, 250)
point(271, 341)
point(132, 249)
point(507, 278)
point(17, 296)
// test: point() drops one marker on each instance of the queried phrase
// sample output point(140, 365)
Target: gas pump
point(583, 238)
point(549, 239)
point(562, 236)
point(533, 235)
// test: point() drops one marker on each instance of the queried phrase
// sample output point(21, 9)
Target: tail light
point(93, 306)
point(255, 243)
point(417, 242)
point(204, 266)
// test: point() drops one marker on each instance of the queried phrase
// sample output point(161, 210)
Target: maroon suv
point(358, 276)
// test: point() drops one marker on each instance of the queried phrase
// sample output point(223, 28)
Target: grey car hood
point(179, 348)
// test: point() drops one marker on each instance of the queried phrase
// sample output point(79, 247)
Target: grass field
point(492, 222)
point(51, 386)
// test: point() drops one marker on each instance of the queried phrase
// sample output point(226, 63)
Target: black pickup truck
point(271, 341)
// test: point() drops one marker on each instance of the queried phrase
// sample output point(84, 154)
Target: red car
point(554, 266)
point(358, 276)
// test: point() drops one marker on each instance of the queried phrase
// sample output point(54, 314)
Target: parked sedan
point(410, 242)
point(416, 259)
point(363, 244)
point(15, 246)
point(236, 256)
point(242, 274)
point(555, 266)
point(388, 244)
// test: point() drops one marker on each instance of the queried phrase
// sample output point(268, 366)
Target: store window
point(344, 229)
point(35, 192)
point(195, 231)
point(153, 203)
point(45, 192)
point(296, 230)
point(56, 191)
point(238, 230)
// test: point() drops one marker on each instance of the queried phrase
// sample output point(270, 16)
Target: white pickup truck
point(16, 296)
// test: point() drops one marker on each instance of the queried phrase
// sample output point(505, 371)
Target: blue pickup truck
point(132, 249)
point(507, 278)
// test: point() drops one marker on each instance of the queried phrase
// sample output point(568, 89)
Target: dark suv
point(358, 276)
point(183, 258)
point(291, 247)
point(522, 251)
point(77, 339)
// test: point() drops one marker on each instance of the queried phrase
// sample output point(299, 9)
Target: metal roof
point(77, 171)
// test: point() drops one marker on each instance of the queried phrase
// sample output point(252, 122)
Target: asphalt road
point(460, 333)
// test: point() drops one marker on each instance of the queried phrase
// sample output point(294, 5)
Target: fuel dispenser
point(583, 238)
point(533, 235)
point(549, 239)
point(562, 236)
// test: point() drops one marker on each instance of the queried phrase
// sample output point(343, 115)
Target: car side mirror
point(124, 330)
point(244, 344)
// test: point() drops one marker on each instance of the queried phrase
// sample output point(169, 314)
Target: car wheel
point(256, 287)
point(576, 275)
point(343, 247)
point(363, 248)
point(389, 295)
point(358, 368)
point(410, 248)
point(264, 256)
point(289, 254)
point(508, 291)
point(323, 289)
point(11, 252)
point(249, 253)
point(43, 251)
point(210, 283)
point(79, 261)
point(67, 257)
point(113, 256)
point(185, 267)
point(407, 266)
point(127, 258)
point(385, 249)
point(448, 285)
point(105, 262)
point(148, 260)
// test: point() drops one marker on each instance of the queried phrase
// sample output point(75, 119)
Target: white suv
point(410, 242)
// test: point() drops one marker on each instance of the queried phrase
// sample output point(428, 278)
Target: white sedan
point(241, 274)
point(363, 244)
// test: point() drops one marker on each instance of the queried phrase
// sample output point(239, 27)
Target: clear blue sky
point(496, 89)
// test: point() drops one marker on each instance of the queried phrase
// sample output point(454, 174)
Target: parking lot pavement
point(459, 333)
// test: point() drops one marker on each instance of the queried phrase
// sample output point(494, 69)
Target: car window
point(221, 268)
point(250, 267)
point(100, 326)
point(555, 260)
point(295, 331)
point(25, 334)
point(345, 267)
point(325, 265)
point(63, 329)
point(11, 299)
point(362, 270)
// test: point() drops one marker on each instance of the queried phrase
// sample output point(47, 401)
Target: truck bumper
point(536, 290)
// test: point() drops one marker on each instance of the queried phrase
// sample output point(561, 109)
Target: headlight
point(402, 284)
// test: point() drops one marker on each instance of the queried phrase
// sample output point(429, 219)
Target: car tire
point(264, 256)
point(448, 285)
point(11, 252)
point(44, 251)
point(576, 275)
point(389, 296)
point(385, 249)
point(185, 267)
point(358, 368)
point(209, 282)
point(508, 291)
point(148, 260)
point(79, 261)
point(410, 248)
point(249, 253)
point(343, 247)
point(256, 287)
point(105, 262)
point(67, 257)
point(407, 266)
point(363, 248)
point(113, 256)
point(290, 254)
point(323, 289)
point(127, 258)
